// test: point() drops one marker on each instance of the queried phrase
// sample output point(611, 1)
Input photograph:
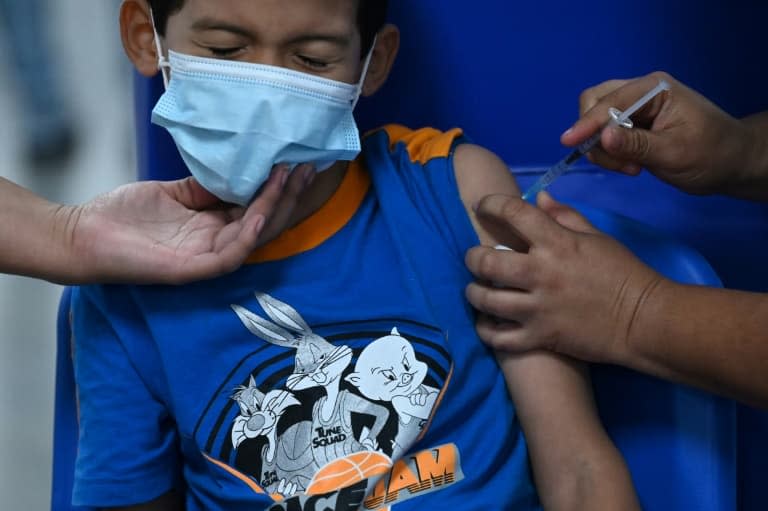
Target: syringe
point(618, 118)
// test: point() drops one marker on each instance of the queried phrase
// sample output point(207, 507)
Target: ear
point(283, 314)
point(384, 54)
point(263, 329)
point(138, 36)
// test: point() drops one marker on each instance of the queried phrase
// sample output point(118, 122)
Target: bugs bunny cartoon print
point(317, 364)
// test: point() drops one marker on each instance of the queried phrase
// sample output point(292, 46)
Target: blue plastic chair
point(65, 431)
point(679, 442)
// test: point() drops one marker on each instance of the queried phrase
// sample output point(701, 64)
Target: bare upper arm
point(549, 391)
point(479, 173)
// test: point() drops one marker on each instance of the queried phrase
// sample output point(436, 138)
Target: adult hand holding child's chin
point(174, 232)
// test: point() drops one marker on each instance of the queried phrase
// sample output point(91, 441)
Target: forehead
point(285, 16)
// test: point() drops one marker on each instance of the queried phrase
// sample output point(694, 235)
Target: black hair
point(371, 16)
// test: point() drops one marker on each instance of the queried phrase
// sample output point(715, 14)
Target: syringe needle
point(559, 168)
point(617, 118)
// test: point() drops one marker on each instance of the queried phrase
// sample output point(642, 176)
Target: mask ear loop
point(364, 73)
point(162, 63)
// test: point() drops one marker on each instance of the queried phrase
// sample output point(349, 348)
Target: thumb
point(634, 145)
point(517, 217)
point(190, 193)
point(564, 215)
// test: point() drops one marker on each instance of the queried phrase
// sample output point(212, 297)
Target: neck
point(322, 188)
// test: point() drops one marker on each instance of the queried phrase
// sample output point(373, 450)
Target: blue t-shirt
point(338, 369)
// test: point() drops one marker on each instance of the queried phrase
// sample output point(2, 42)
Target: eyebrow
point(203, 24)
point(336, 39)
point(214, 24)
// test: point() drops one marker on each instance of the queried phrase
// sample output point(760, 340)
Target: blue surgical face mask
point(233, 121)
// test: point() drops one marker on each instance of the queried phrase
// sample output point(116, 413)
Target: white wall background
point(98, 81)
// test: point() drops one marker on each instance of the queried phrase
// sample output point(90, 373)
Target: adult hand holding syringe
point(617, 117)
point(681, 137)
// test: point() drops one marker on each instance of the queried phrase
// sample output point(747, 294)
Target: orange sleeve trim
point(323, 223)
point(239, 475)
point(424, 144)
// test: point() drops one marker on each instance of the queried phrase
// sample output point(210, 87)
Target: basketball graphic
point(348, 470)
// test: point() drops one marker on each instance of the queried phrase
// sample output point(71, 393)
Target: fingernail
point(567, 132)
point(612, 138)
point(309, 175)
point(277, 169)
point(259, 223)
point(284, 177)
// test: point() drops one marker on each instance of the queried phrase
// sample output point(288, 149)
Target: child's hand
point(173, 232)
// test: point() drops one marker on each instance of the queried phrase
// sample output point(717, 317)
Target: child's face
point(320, 37)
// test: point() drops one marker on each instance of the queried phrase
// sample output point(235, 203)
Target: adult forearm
point(715, 339)
point(749, 163)
point(34, 234)
point(758, 124)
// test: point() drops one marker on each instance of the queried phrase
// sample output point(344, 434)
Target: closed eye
point(224, 52)
point(311, 63)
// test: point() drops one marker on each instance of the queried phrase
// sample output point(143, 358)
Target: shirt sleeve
point(417, 166)
point(127, 452)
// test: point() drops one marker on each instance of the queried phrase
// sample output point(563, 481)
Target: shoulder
point(480, 172)
point(442, 171)
point(420, 145)
point(413, 178)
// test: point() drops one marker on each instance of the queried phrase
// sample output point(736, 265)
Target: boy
point(339, 369)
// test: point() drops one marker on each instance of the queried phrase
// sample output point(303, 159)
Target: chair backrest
point(510, 74)
point(65, 429)
point(680, 443)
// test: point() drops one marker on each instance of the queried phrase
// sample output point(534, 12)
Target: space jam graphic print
point(316, 411)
